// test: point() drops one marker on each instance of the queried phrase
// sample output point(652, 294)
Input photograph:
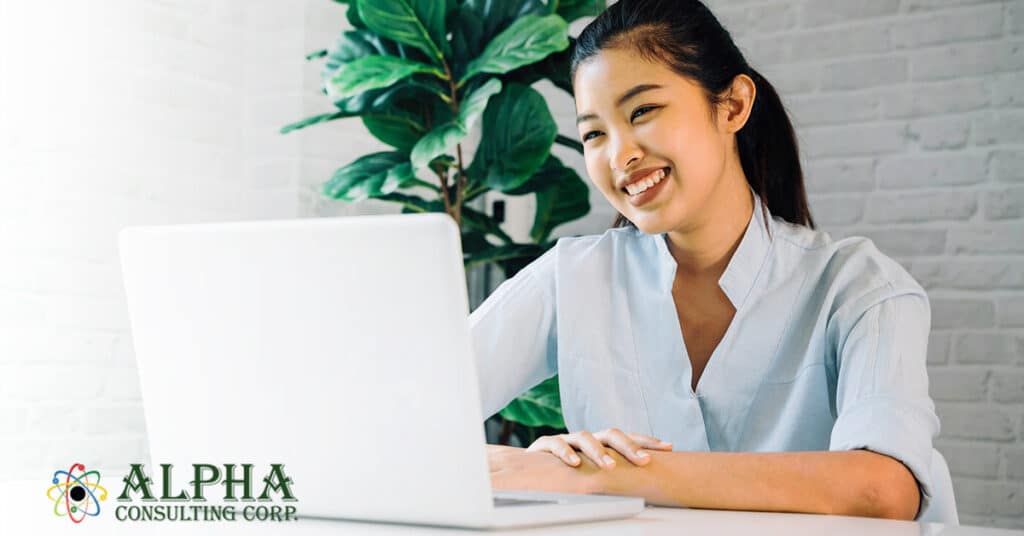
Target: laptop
point(338, 347)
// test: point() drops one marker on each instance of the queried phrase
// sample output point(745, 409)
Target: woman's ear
point(736, 103)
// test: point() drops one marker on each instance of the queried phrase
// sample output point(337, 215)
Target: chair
point(942, 508)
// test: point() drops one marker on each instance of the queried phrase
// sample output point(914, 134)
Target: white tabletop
point(24, 509)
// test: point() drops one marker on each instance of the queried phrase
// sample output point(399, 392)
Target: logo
point(76, 495)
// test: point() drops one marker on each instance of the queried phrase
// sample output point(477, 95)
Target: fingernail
point(608, 461)
point(574, 458)
point(641, 454)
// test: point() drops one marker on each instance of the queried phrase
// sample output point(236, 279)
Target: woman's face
point(650, 142)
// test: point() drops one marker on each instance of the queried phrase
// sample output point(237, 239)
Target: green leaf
point(518, 131)
point(322, 118)
point(352, 45)
point(352, 14)
point(436, 142)
point(413, 204)
point(571, 10)
point(540, 406)
point(467, 37)
point(555, 68)
point(473, 242)
point(526, 41)
point(497, 15)
point(417, 23)
point(373, 72)
point(395, 127)
point(477, 22)
point(372, 175)
point(565, 199)
point(316, 54)
point(480, 222)
point(446, 136)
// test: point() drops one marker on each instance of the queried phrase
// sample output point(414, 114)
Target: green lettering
point(199, 481)
point(277, 481)
point(166, 469)
point(230, 482)
point(136, 480)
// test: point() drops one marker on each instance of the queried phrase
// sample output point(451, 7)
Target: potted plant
point(421, 75)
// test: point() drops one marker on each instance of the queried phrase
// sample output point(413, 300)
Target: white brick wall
point(148, 111)
point(116, 113)
point(909, 115)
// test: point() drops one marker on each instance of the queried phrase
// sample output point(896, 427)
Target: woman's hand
point(564, 447)
point(516, 469)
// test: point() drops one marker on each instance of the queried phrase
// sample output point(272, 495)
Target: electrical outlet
point(518, 213)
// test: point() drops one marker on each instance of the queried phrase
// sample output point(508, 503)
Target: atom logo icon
point(76, 495)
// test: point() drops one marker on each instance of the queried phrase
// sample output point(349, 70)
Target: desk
point(684, 522)
point(25, 510)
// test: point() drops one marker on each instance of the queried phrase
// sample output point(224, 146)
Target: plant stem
point(460, 184)
point(460, 172)
point(442, 176)
point(569, 142)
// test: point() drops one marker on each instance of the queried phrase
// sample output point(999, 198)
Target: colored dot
point(74, 509)
point(55, 480)
point(77, 493)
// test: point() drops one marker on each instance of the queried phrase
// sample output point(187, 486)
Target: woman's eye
point(590, 135)
point(641, 111)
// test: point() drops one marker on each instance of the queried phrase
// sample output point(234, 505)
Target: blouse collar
point(746, 263)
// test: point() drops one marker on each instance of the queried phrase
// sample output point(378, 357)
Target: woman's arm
point(856, 483)
point(514, 335)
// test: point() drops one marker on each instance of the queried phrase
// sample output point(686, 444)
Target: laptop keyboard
point(505, 501)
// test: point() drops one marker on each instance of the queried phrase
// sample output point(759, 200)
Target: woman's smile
point(646, 189)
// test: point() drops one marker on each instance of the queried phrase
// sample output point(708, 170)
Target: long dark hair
point(686, 37)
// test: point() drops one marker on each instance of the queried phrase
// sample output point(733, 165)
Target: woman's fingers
point(558, 446)
point(650, 442)
point(592, 447)
point(630, 446)
point(625, 445)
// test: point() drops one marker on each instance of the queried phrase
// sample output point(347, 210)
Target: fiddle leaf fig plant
point(422, 75)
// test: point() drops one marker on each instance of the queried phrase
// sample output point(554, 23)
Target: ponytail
point(770, 156)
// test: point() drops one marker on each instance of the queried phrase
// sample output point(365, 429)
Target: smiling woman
point(712, 336)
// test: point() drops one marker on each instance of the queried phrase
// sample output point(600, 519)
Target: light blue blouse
point(826, 350)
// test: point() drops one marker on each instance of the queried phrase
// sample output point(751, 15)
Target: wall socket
point(518, 213)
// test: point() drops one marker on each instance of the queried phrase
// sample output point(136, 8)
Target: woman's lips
point(649, 194)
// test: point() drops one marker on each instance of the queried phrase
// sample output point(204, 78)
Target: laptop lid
point(338, 347)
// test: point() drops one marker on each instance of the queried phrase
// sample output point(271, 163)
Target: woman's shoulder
point(613, 246)
point(853, 267)
point(597, 243)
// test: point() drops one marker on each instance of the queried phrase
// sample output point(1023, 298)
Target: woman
point(784, 370)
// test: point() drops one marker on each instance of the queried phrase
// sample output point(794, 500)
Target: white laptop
point(338, 347)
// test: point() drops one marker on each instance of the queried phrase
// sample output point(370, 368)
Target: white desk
point(25, 510)
point(683, 522)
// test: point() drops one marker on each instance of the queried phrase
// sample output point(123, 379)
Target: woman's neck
point(704, 251)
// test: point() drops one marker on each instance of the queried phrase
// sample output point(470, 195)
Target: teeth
point(642, 185)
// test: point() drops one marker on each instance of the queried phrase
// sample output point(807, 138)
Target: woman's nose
point(624, 151)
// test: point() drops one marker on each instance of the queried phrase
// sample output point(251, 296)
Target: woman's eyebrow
point(629, 94)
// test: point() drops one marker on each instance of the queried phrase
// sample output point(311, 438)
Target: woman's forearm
point(859, 483)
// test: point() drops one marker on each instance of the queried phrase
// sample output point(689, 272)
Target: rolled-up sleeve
point(514, 334)
point(882, 401)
